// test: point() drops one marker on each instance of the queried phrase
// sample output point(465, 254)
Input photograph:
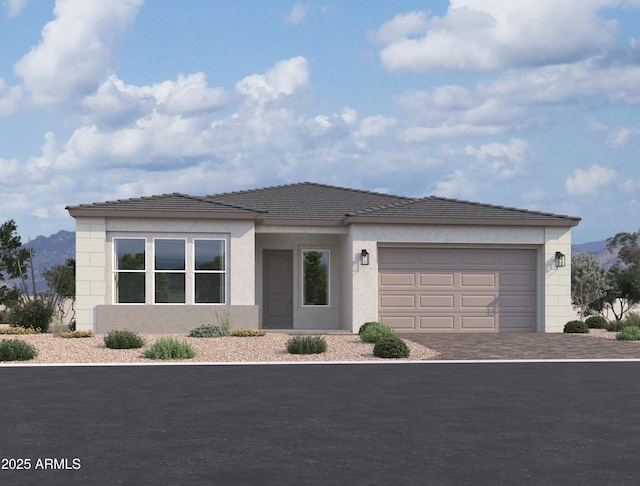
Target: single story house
point(314, 256)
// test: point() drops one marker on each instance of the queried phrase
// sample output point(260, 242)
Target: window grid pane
point(209, 271)
point(315, 277)
point(129, 270)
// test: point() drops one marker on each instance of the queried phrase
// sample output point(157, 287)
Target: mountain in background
point(49, 251)
point(598, 250)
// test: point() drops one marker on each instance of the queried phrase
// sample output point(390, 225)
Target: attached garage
point(457, 289)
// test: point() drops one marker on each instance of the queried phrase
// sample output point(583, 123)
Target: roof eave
point(134, 213)
point(559, 222)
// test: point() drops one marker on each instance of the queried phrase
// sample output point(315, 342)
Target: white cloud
point(480, 35)
point(502, 161)
point(585, 182)
point(14, 7)
point(282, 79)
point(74, 57)
point(297, 14)
point(457, 185)
point(11, 98)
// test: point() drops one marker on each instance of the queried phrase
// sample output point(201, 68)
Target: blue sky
point(526, 104)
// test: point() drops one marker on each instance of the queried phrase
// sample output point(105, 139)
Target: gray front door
point(277, 289)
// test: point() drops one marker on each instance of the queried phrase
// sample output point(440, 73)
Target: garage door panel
point(478, 280)
point(439, 280)
point(398, 279)
point(437, 323)
point(437, 302)
point(398, 301)
point(459, 290)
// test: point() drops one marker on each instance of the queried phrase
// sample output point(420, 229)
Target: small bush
point(629, 333)
point(4, 316)
point(122, 339)
point(75, 334)
point(17, 330)
point(376, 331)
point(391, 347)
point(365, 325)
point(169, 348)
point(596, 322)
point(16, 350)
point(306, 345)
point(34, 314)
point(616, 326)
point(633, 318)
point(208, 331)
point(576, 327)
point(247, 332)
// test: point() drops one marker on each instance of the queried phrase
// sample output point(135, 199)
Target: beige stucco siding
point(91, 274)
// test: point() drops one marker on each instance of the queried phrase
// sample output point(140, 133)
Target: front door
point(277, 289)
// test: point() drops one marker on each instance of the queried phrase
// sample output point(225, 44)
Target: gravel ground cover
point(269, 348)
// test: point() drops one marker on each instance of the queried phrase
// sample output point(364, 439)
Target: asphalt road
point(432, 423)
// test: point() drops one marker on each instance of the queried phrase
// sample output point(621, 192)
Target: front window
point(209, 271)
point(315, 277)
point(130, 270)
point(169, 271)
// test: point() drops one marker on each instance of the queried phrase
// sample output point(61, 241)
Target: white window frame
point(115, 270)
point(154, 271)
point(302, 253)
point(224, 272)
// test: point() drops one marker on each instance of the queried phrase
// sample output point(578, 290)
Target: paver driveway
point(524, 346)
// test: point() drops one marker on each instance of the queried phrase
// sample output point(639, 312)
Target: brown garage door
point(468, 290)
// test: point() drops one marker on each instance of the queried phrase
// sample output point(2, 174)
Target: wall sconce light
point(364, 257)
point(561, 260)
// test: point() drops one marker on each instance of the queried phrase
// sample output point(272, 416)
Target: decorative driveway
point(460, 346)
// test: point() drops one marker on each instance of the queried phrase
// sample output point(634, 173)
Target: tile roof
point(318, 203)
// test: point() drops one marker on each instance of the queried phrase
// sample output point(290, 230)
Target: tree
point(624, 290)
point(61, 280)
point(628, 246)
point(315, 279)
point(588, 282)
point(13, 260)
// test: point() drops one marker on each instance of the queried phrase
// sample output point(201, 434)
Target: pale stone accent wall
point(555, 284)
point(90, 270)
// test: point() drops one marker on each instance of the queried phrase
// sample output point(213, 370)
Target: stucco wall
point(554, 284)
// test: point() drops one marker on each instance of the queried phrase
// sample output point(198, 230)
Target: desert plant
point(376, 331)
point(391, 347)
point(16, 350)
point(629, 333)
point(35, 314)
point(4, 316)
point(247, 332)
point(576, 327)
point(633, 318)
point(208, 331)
point(616, 326)
point(365, 325)
point(123, 339)
point(72, 325)
point(596, 322)
point(17, 330)
point(169, 348)
point(306, 345)
point(75, 334)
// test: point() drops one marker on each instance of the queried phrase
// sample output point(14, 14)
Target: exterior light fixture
point(364, 257)
point(561, 260)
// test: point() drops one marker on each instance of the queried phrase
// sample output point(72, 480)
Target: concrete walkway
point(524, 346)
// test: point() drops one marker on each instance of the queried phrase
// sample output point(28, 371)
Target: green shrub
point(391, 347)
point(4, 316)
point(596, 322)
point(247, 332)
point(376, 331)
point(365, 325)
point(17, 330)
point(122, 339)
point(33, 314)
point(208, 331)
point(75, 334)
point(629, 333)
point(306, 345)
point(169, 348)
point(616, 326)
point(576, 327)
point(16, 350)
